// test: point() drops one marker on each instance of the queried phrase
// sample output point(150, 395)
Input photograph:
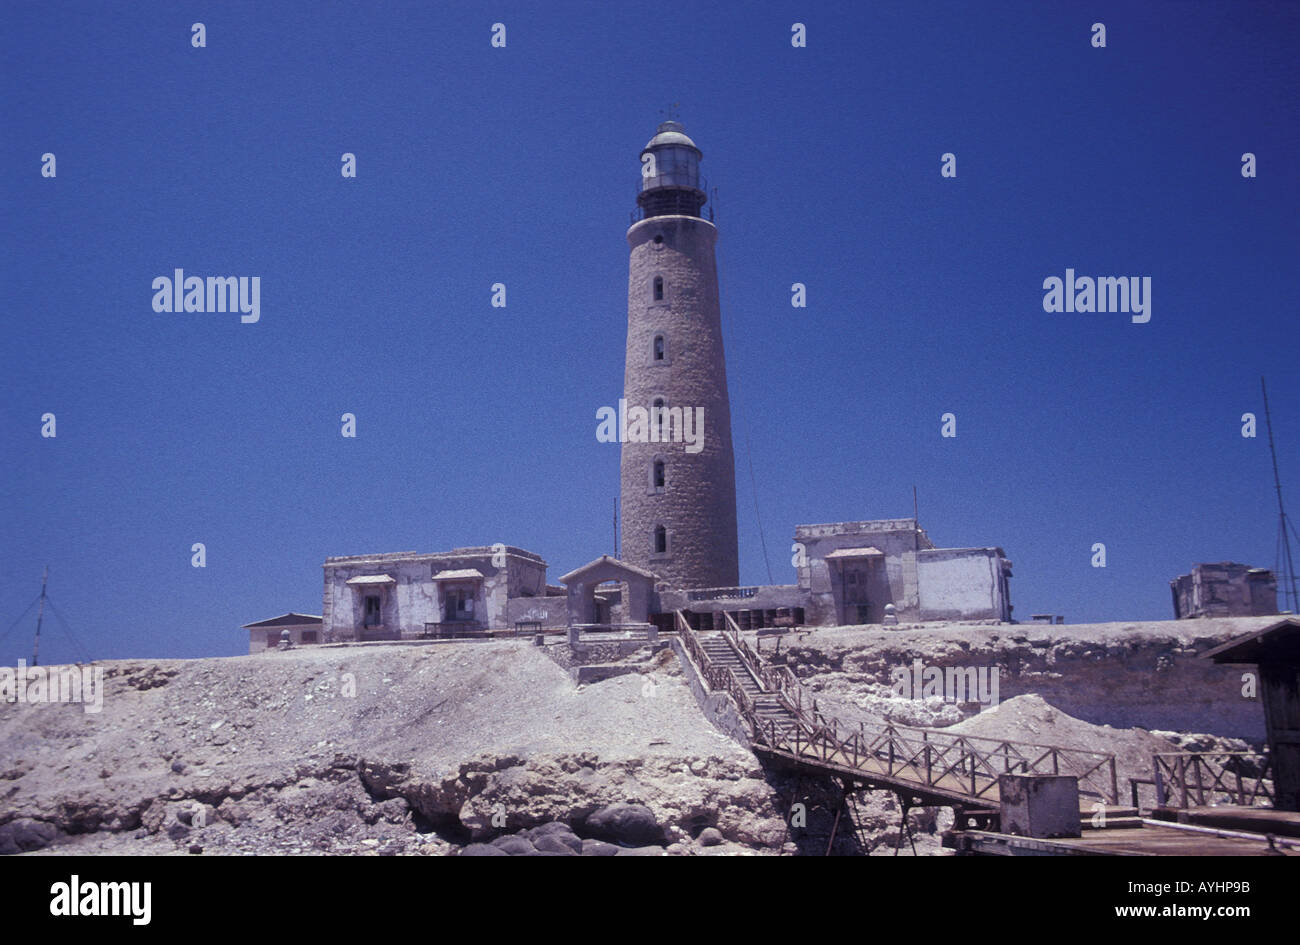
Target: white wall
point(959, 583)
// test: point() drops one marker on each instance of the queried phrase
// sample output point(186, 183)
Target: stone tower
point(678, 483)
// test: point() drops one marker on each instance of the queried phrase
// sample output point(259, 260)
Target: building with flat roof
point(267, 634)
point(852, 571)
point(406, 595)
point(1226, 589)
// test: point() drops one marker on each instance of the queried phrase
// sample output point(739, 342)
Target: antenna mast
point(40, 615)
point(916, 522)
point(1284, 539)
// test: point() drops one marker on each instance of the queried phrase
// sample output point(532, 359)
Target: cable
point(753, 490)
point(21, 616)
point(75, 640)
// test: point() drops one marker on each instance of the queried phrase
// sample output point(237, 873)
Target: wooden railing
point(456, 630)
point(969, 765)
point(778, 679)
point(717, 678)
point(1198, 778)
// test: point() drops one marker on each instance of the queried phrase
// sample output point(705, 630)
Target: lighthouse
point(678, 492)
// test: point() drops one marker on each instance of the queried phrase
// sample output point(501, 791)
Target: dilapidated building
point(847, 573)
point(407, 595)
point(871, 572)
point(1226, 589)
point(853, 570)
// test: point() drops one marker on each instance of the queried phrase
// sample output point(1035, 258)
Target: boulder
point(557, 831)
point(710, 837)
point(549, 843)
point(482, 849)
point(23, 834)
point(554, 827)
point(514, 845)
point(632, 825)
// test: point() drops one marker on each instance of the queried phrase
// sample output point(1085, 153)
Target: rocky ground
point(1147, 674)
point(482, 749)
point(383, 749)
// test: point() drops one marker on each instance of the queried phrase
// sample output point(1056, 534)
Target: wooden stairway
point(931, 767)
point(768, 705)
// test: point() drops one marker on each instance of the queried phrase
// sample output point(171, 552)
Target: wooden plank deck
point(1126, 841)
point(1284, 823)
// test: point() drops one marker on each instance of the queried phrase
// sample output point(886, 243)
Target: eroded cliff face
point(386, 749)
point(455, 748)
point(1119, 674)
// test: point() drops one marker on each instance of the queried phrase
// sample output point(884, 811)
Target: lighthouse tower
point(678, 492)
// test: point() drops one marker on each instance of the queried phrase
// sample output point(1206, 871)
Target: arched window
point(659, 288)
point(656, 475)
point(659, 348)
point(659, 418)
point(661, 540)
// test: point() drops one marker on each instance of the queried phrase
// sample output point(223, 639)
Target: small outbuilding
point(1226, 589)
point(1276, 651)
point(636, 585)
point(266, 634)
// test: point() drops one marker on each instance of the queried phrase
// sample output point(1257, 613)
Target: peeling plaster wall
point(549, 611)
point(960, 584)
point(897, 582)
point(405, 607)
point(921, 581)
point(416, 599)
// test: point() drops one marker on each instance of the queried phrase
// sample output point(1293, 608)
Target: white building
point(463, 592)
point(266, 634)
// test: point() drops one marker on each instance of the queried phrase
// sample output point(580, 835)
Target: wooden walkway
point(1151, 839)
point(927, 767)
point(935, 768)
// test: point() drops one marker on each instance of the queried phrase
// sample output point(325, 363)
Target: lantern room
point(670, 174)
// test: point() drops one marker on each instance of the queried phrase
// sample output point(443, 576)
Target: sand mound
point(1031, 719)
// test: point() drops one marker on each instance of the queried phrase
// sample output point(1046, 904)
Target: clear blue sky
point(518, 165)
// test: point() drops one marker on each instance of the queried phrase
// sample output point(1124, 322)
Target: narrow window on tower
point(659, 289)
point(659, 348)
point(661, 540)
point(659, 418)
point(658, 475)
